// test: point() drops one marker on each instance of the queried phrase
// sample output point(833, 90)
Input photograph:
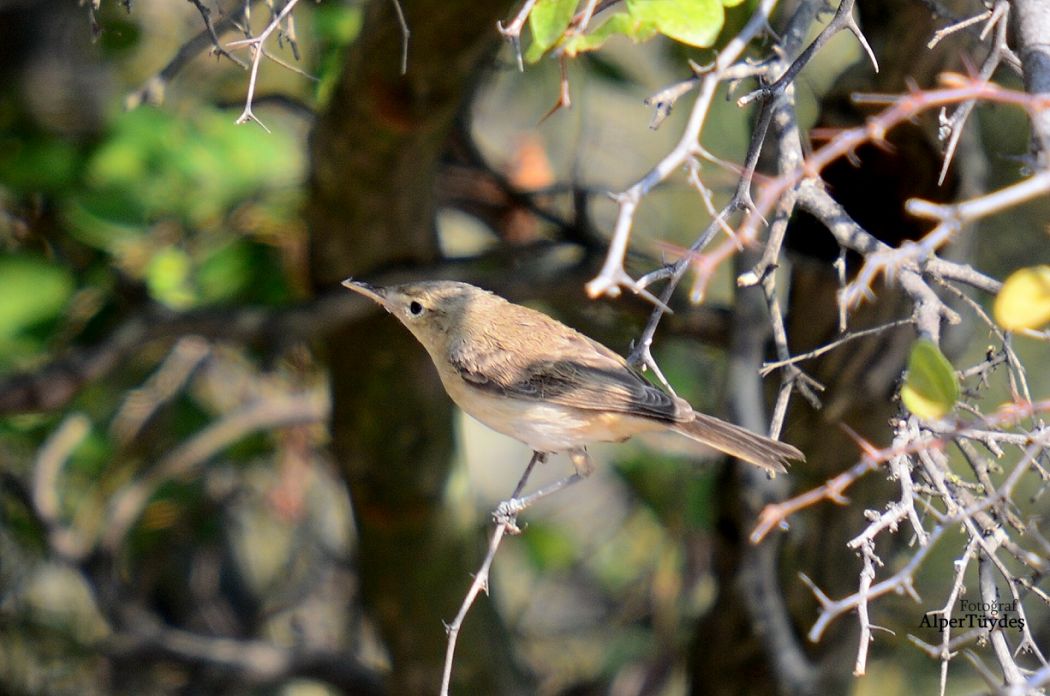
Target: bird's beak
point(376, 294)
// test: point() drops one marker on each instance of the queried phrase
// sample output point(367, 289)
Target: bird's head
point(433, 310)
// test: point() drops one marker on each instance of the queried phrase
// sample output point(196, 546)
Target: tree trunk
point(375, 154)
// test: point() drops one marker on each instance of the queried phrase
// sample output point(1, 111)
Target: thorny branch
point(932, 500)
point(256, 45)
point(935, 498)
point(952, 126)
point(916, 461)
point(504, 524)
point(152, 91)
point(612, 275)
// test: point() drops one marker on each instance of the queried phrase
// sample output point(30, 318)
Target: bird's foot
point(506, 513)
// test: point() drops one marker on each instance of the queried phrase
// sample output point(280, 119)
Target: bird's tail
point(735, 441)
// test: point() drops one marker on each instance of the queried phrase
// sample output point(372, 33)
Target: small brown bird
point(538, 381)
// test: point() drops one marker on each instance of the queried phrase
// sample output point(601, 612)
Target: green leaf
point(534, 52)
point(168, 278)
point(692, 22)
point(619, 23)
point(930, 387)
point(548, 21)
point(241, 270)
point(1024, 301)
point(35, 291)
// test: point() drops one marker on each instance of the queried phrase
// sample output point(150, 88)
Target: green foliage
point(35, 292)
point(190, 167)
point(675, 492)
point(548, 21)
point(931, 387)
point(106, 220)
point(621, 23)
point(549, 547)
point(168, 277)
point(335, 26)
point(691, 22)
point(35, 162)
point(155, 194)
point(162, 198)
point(229, 271)
point(120, 35)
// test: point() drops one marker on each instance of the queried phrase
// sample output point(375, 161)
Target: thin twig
point(481, 578)
point(843, 19)
point(256, 44)
point(952, 127)
point(512, 31)
point(153, 89)
point(52, 456)
point(185, 460)
point(405, 34)
point(851, 336)
point(210, 28)
point(612, 276)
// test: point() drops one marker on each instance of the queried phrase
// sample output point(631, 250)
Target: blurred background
point(220, 474)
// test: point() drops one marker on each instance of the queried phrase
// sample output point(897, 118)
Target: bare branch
point(612, 276)
point(186, 460)
point(952, 127)
point(843, 19)
point(512, 31)
point(257, 662)
point(405, 34)
point(152, 91)
point(256, 45)
point(481, 579)
point(46, 470)
point(846, 338)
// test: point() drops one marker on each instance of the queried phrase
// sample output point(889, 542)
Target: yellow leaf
point(1024, 301)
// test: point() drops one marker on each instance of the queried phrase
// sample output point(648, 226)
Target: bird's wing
point(593, 378)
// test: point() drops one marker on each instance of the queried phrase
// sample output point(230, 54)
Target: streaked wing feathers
point(593, 379)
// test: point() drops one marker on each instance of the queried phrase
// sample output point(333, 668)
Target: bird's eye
point(415, 309)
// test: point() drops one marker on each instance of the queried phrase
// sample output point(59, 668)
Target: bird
point(527, 375)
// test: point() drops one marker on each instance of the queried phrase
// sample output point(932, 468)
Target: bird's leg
point(537, 458)
point(508, 510)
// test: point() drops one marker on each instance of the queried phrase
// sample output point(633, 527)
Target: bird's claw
point(506, 513)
